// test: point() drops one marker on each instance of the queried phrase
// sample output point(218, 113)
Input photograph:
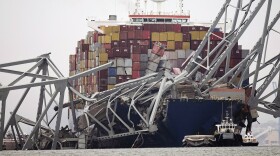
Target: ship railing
point(185, 13)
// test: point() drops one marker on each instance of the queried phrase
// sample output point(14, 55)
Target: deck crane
point(146, 96)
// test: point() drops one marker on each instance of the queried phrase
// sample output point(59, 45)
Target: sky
point(30, 28)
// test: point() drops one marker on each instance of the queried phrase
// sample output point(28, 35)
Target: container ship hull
point(182, 117)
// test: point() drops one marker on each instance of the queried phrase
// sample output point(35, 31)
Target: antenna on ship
point(137, 7)
point(145, 1)
point(181, 6)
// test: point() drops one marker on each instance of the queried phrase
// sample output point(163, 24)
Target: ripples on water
point(225, 151)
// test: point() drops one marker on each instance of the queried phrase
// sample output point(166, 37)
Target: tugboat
point(249, 140)
point(226, 134)
point(198, 141)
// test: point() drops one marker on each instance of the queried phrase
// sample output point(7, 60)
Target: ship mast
point(181, 11)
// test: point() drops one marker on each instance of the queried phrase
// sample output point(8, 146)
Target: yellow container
point(115, 36)
point(155, 36)
point(103, 57)
point(202, 34)
point(170, 36)
point(115, 28)
point(178, 37)
point(106, 30)
point(162, 36)
point(170, 45)
point(102, 62)
point(111, 86)
point(186, 45)
point(195, 35)
point(107, 39)
point(100, 39)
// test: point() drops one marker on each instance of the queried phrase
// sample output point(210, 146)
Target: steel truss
point(147, 95)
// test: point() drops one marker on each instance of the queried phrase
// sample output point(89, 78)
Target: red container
point(217, 37)
point(138, 27)
point(136, 66)
point(144, 49)
point(123, 35)
point(136, 74)
point(178, 45)
point(107, 45)
point(136, 50)
point(125, 50)
point(85, 47)
point(103, 73)
point(138, 34)
point(146, 35)
point(236, 54)
point(131, 43)
point(131, 35)
point(220, 72)
point(186, 37)
point(95, 37)
point(185, 29)
point(147, 27)
point(195, 44)
point(202, 28)
point(120, 79)
point(136, 57)
point(110, 53)
point(130, 28)
point(123, 28)
point(123, 43)
point(115, 44)
point(169, 27)
point(116, 52)
point(177, 27)
point(144, 42)
point(234, 62)
point(194, 28)
point(161, 27)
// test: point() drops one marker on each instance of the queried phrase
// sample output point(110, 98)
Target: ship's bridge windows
point(160, 20)
point(151, 20)
point(184, 20)
point(168, 20)
point(145, 19)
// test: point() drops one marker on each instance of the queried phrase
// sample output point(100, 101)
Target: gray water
point(205, 151)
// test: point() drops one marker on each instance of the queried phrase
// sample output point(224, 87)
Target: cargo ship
point(132, 47)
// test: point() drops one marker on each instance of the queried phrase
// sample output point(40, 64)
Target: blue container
point(112, 71)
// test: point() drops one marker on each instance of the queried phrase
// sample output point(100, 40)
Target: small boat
point(226, 134)
point(249, 140)
point(198, 141)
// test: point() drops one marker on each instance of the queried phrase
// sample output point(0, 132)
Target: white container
point(114, 62)
point(173, 55)
point(127, 62)
point(154, 58)
point(143, 57)
point(181, 54)
point(152, 66)
point(128, 71)
point(120, 71)
point(149, 52)
point(120, 62)
point(148, 72)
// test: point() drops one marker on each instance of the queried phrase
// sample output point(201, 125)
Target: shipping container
point(178, 45)
point(136, 66)
point(186, 45)
point(146, 35)
point(170, 45)
point(128, 70)
point(116, 29)
point(181, 54)
point(112, 71)
point(120, 62)
point(110, 87)
point(128, 62)
point(136, 74)
point(163, 36)
point(115, 36)
point(123, 28)
point(121, 71)
point(155, 36)
point(170, 36)
point(195, 35)
point(202, 34)
point(178, 37)
point(136, 57)
point(103, 57)
point(123, 35)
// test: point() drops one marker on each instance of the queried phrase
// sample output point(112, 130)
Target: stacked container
point(137, 50)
